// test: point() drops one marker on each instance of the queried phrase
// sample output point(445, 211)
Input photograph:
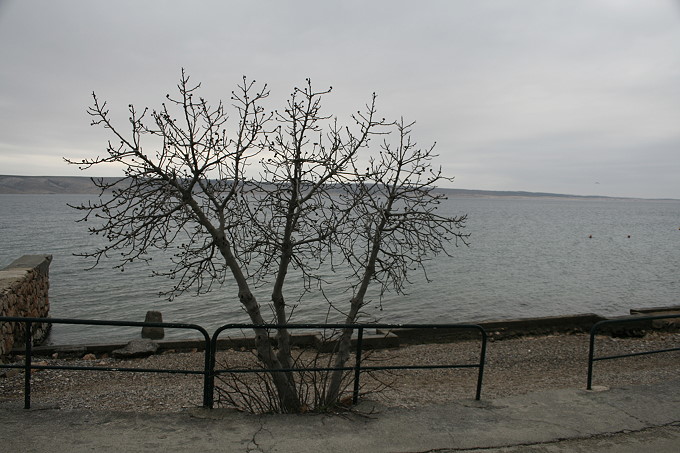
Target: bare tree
point(189, 184)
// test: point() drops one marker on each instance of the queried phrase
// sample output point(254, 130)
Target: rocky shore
point(513, 366)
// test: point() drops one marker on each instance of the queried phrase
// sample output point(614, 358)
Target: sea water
point(527, 257)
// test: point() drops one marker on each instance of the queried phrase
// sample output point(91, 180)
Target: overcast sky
point(573, 96)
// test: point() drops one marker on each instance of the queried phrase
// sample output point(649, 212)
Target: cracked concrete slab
point(662, 439)
point(538, 422)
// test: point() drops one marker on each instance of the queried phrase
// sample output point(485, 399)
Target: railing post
point(209, 375)
point(357, 367)
point(591, 356)
point(482, 360)
point(27, 365)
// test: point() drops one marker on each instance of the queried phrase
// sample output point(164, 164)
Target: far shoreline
point(82, 185)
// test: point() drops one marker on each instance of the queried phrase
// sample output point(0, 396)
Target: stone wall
point(24, 286)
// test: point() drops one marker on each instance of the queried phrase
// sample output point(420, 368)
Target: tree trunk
point(335, 386)
point(357, 302)
point(285, 387)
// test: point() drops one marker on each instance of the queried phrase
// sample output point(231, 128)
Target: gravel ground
point(513, 366)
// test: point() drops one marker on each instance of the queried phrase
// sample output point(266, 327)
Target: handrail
point(209, 371)
point(358, 368)
point(634, 319)
point(28, 366)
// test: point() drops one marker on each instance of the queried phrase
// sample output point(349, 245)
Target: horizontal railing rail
point(597, 327)
point(29, 365)
point(358, 367)
point(209, 372)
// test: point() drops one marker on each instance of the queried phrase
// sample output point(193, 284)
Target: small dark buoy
point(590, 236)
point(629, 236)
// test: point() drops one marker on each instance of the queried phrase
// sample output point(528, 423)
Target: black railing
point(28, 360)
point(358, 367)
point(209, 372)
point(635, 320)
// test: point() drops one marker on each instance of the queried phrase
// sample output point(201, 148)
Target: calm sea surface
point(528, 257)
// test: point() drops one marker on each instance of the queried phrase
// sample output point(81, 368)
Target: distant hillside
point(83, 185)
point(46, 185)
point(514, 194)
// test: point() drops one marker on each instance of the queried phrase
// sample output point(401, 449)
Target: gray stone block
point(136, 349)
point(154, 333)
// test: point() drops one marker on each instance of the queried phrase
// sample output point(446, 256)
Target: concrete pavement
point(640, 418)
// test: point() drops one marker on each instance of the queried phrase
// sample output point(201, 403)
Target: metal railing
point(609, 322)
point(358, 367)
point(29, 365)
point(209, 372)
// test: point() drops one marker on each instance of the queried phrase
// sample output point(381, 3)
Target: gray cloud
point(542, 96)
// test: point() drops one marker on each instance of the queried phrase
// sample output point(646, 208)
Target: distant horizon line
point(51, 186)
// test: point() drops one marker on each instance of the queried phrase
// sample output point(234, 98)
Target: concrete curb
point(381, 339)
